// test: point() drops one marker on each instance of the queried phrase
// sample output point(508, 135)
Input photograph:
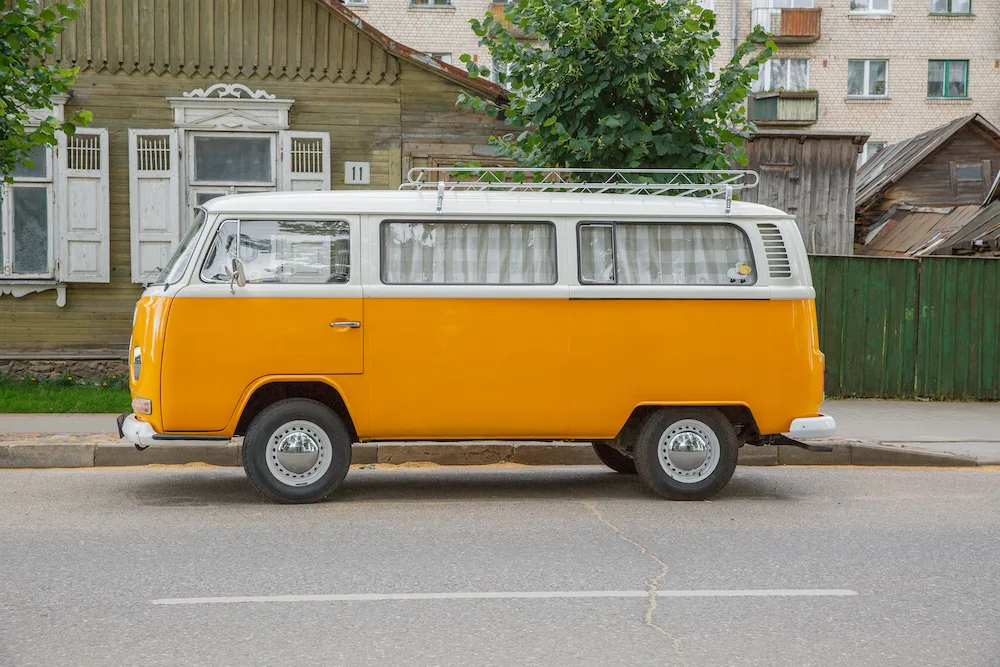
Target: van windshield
point(178, 263)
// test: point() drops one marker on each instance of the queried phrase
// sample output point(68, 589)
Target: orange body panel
point(216, 348)
point(427, 368)
point(148, 333)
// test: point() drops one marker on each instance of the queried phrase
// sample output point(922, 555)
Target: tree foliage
point(28, 35)
point(618, 84)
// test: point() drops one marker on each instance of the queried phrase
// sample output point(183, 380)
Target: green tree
point(28, 35)
point(618, 84)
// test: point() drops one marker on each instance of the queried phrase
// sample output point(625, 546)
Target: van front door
point(299, 314)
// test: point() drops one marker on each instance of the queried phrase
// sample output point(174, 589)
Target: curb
point(42, 452)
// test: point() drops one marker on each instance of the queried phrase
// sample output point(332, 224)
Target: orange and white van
point(667, 330)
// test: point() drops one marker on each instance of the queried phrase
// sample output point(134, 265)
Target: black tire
point(267, 424)
point(614, 459)
point(654, 474)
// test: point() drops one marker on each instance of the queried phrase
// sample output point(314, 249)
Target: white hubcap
point(689, 451)
point(298, 453)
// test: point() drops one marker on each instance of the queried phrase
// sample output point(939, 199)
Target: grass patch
point(30, 394)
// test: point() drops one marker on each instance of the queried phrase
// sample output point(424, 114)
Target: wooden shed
point(193, 99)
point(811, 176)
point(916, 194)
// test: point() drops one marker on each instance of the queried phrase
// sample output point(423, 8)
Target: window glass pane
point(40, 170)
point(203, 197)
point(285, 252)
point(232, 159)
point(859, 5)
point(939, 5)
point(880, 5)
point(969, 173)
point(856, 77)
point(876, 77)
point(779, 74)
point(672, 254)
point(597, 260)
point(178, 264)
point(31, 229)
point(469, 253)
point(961, 6)
point(956, 78)
point(935, 78)
point(798, 77)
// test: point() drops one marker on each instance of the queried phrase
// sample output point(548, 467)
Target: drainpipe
point(736, 8)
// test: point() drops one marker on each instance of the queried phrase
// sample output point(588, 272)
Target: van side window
point(665, 254)
point(468, 253)
point(291, 252)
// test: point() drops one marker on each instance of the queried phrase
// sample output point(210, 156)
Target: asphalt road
point(888, 567)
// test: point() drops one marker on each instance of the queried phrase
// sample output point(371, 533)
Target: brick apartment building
point(889, 68)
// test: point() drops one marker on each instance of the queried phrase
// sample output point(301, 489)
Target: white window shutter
point(84, 208)
point(305, 161)
point(154, 200)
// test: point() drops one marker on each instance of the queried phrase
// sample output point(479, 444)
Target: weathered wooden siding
point(294, 39)
point(931, 181)
point(811, 177)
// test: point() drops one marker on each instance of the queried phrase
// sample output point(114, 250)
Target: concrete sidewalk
point(870, 432)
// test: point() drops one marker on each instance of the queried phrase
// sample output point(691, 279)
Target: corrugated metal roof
point(915, 231)
point(893, 162)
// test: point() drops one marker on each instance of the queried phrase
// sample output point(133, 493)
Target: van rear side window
point(664, 254)
point(468, 253)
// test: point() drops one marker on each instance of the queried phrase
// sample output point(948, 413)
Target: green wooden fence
point(909, 327)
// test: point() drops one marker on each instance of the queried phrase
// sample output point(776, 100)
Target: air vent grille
point(778, 264)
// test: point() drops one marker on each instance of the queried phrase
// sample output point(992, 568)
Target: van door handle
point(349, 325)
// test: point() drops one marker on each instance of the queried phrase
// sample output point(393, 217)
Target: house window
point(867, 78)
point(26, 220)
point(869, 150)
point(443, 57)
point(783, 74)
point(951, 6)
point(354, 3)
point(969, 180)
point(871, 6)
point(948, 78)
point(430, 3)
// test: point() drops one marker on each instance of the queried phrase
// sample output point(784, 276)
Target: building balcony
point(788, 26)
point(497, 9)
point(784, 108)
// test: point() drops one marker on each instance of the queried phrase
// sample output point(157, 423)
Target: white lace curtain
point(470, 253)
point(665, 254)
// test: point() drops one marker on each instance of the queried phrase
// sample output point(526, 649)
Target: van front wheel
point(296, 451)
point(686, 453)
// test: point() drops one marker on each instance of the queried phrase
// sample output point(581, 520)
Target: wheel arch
point(272, 390)
point(738, 414)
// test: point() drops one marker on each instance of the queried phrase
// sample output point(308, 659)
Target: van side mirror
point(237, 275)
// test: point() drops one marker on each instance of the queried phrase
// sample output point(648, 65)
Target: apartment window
point(500, 72)
point(664, 254)
point(443, 57)
point(354, 3)
point(430, 3)
point(871, 6)
point(783, 74)
point(468, 253)
point(867, 78)
point(869, 151)
point(951, 6)
point(948, 78)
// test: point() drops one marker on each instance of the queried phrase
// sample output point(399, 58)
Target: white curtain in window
point(471, 253)
point(671, 254)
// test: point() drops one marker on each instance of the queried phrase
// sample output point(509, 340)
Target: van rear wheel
point(296, 451)
point(614, 459)
point(686, 453)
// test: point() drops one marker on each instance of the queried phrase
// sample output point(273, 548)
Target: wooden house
point(921, 196)
point(192, 99)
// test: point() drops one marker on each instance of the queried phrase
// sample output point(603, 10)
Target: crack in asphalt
point(653, 583)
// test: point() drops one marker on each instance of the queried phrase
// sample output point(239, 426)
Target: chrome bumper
point(812, 427)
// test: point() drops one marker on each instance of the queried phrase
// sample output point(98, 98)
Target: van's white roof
point(463, 202)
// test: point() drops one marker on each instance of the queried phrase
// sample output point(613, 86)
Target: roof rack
point(682, 182)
